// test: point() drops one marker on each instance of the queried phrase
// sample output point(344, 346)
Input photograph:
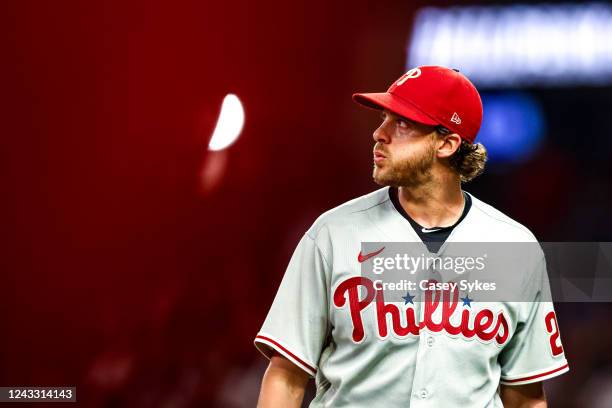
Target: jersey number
point(553, 329)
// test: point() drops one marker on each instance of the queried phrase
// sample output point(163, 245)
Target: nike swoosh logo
point(363, 258)
point(428, 230)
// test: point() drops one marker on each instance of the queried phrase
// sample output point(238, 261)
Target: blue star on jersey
point(467, 301)
point(408, 298)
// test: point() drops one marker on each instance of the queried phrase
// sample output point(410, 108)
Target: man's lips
point(379, 156)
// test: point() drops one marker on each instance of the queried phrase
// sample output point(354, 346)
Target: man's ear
point(448, 145)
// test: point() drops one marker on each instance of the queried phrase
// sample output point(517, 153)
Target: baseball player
point(329, 322)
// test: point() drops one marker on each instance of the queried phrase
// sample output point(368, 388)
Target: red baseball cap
point(432, 95)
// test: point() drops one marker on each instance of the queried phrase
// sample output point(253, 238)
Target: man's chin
point(385, 179)
point(381, 180)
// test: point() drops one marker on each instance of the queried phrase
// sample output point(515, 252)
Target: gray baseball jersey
point(362, 357)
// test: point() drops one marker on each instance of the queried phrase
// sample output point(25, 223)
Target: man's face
point(404, 152)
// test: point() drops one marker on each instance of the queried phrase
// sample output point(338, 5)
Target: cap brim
point(399, 106)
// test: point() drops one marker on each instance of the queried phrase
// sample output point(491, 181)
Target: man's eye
point(402, 123)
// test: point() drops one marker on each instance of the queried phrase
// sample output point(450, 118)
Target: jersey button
point(423, 393)
point(430, 341)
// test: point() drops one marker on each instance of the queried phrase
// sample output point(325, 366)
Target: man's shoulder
point(498, 224)
point(350, 211)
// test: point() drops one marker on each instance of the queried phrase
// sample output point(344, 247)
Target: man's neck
point(439, 203)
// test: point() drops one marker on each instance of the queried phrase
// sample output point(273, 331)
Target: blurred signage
point(517, 45)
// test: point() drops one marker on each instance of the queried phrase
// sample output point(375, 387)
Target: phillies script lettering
point(485, 325)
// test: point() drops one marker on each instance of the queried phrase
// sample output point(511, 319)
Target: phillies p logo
point(413, 73)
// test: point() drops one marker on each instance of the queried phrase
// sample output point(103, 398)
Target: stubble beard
point(410, 172)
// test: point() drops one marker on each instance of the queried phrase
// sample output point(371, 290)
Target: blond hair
point(469, 160)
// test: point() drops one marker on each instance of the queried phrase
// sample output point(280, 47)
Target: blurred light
point(229, 124)
point(513, 126)
point(517, 45)
point(213, 170)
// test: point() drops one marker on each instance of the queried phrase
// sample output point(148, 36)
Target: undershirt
point(435, 236)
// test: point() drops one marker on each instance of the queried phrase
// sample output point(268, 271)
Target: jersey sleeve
point(534, 353)
point(296, 325)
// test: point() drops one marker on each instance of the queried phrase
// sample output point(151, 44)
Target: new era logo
point(456, 119)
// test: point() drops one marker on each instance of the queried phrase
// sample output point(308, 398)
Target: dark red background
point(123, 276)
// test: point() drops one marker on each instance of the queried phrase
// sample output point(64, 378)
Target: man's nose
point(380, 134)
